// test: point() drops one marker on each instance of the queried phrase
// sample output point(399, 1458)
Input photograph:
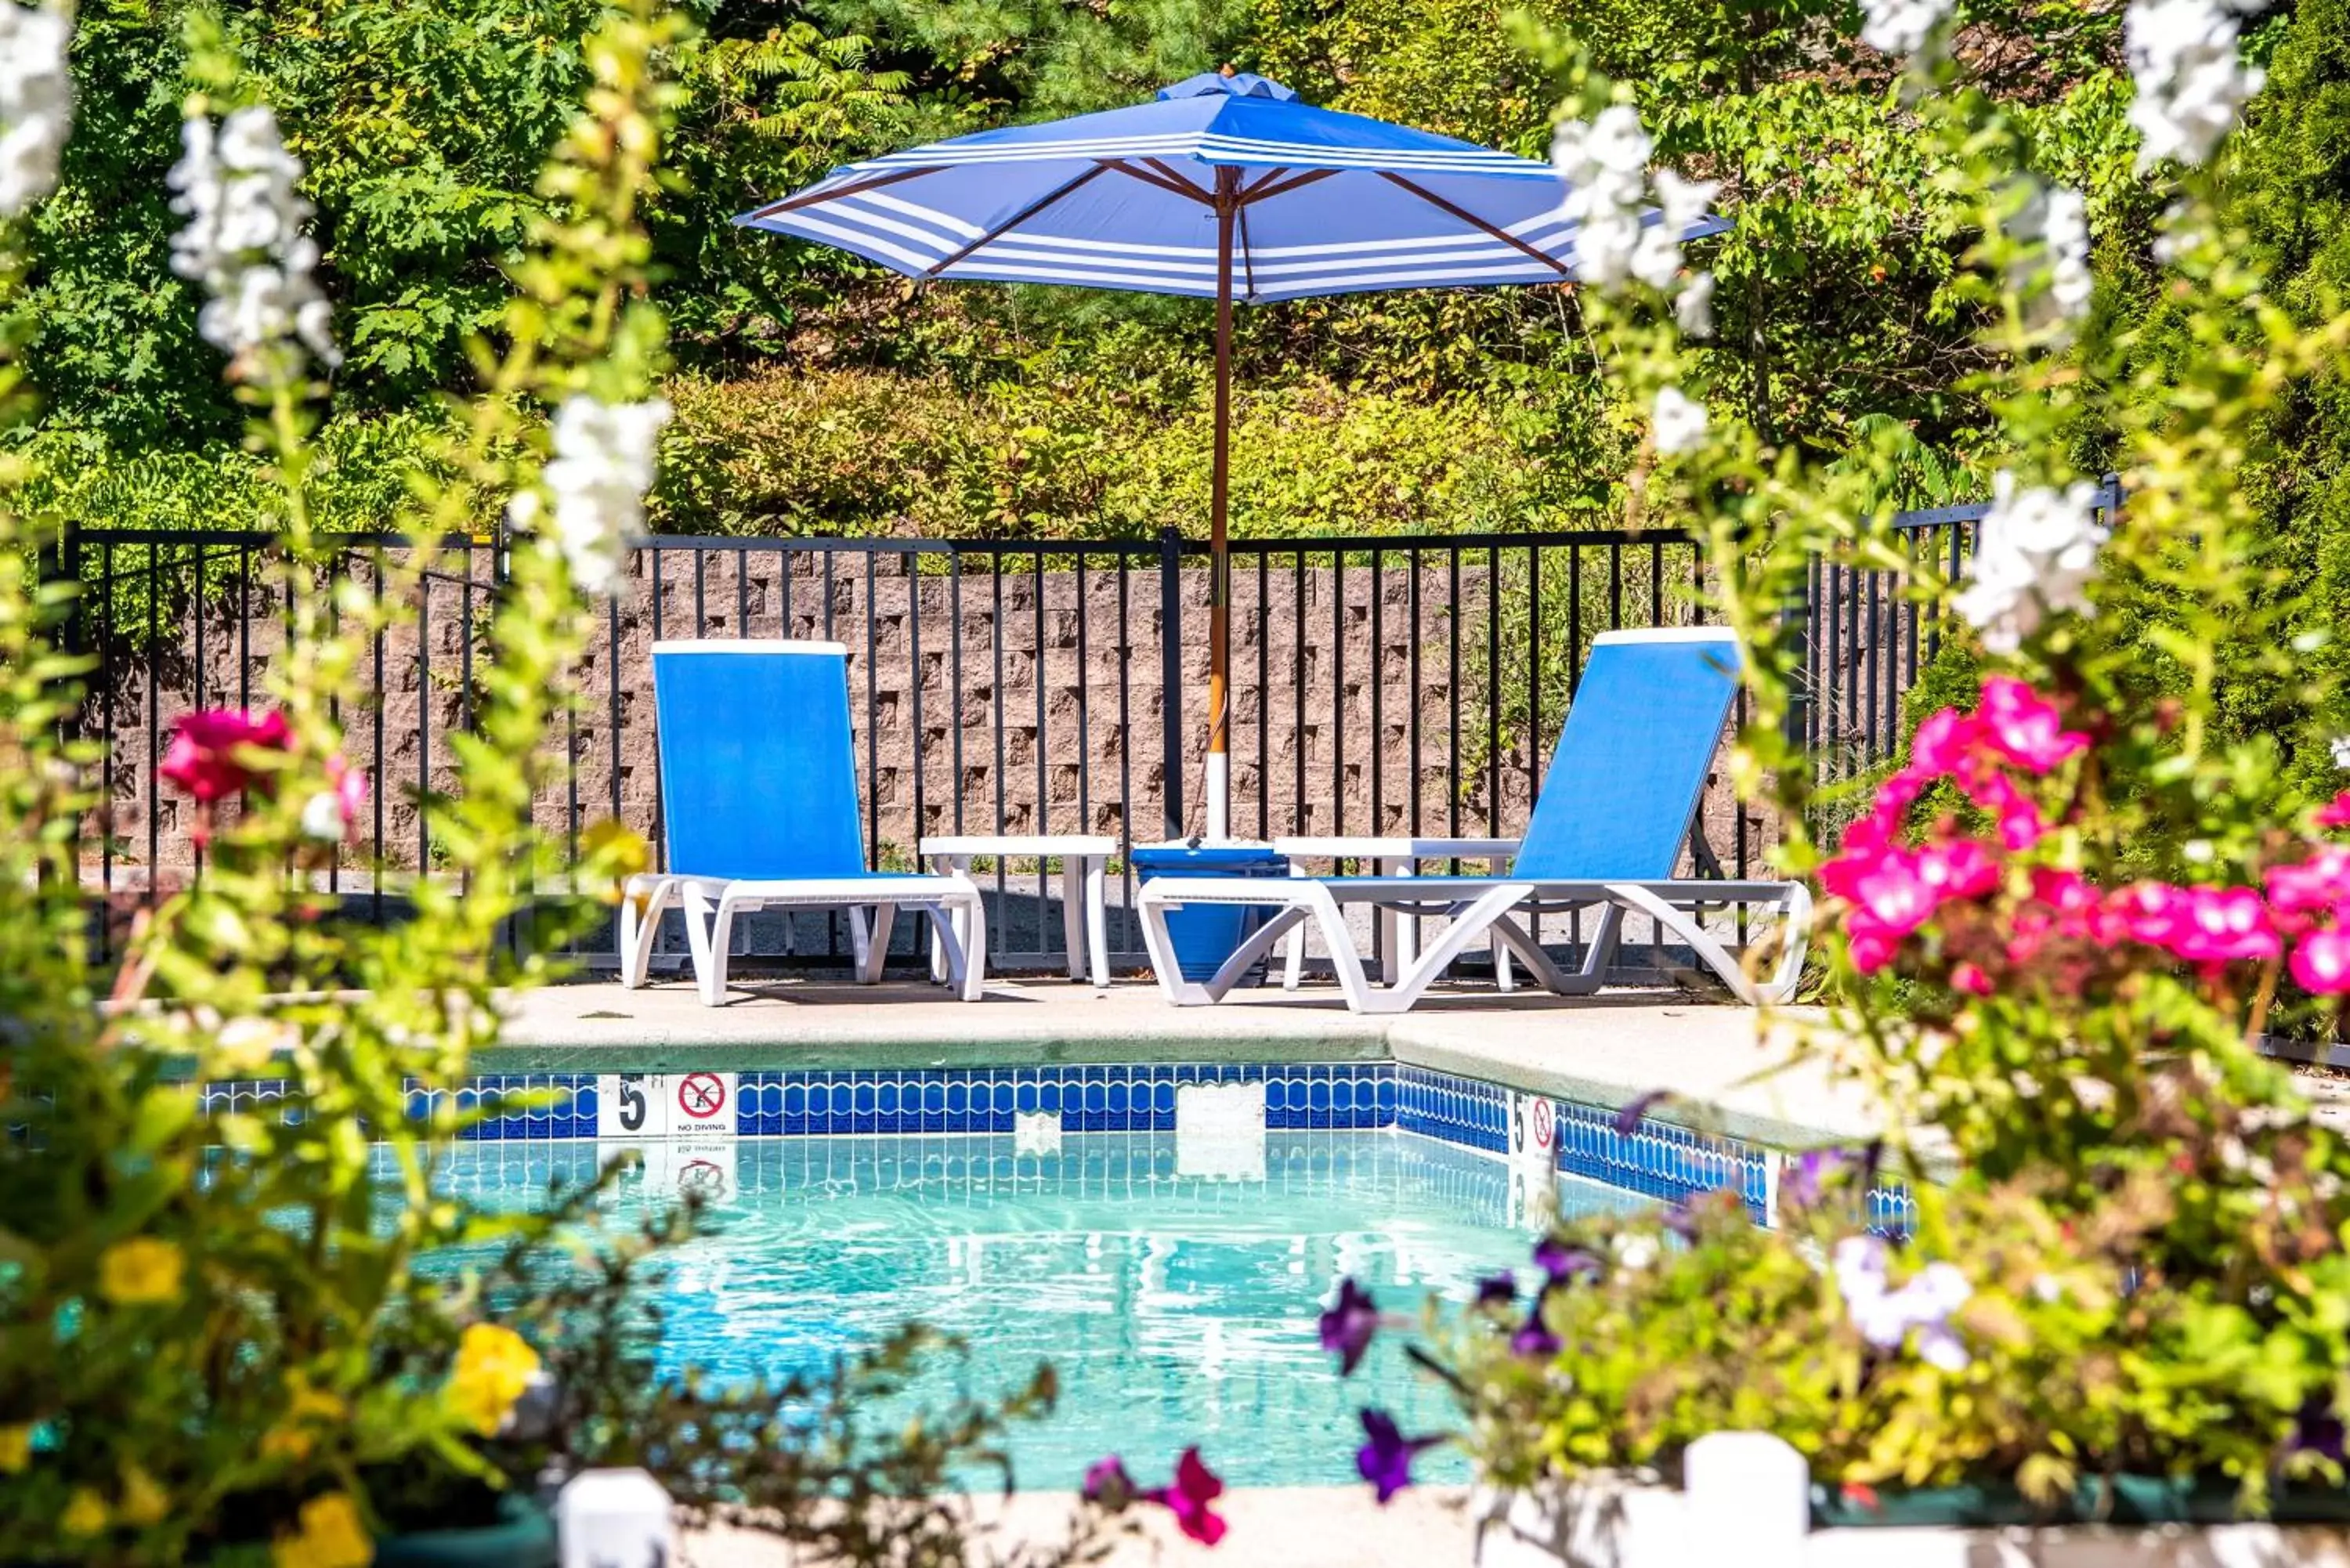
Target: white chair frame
point(1477, 907)
point(710, 904)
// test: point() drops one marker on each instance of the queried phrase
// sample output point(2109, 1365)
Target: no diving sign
point(665, 1104)
point(701, 1099)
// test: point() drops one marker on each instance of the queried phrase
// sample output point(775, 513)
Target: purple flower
point(1385, 1460)
point(2318, 1429)
point(1348, 1324)
point(1809, 1177)
point(1681, 1220)
point(1196, 1488)
point(1107, 1483)
point(1534, 1339)
point(1627, 1120)
point(1561, 1264)
point(1497, 1291)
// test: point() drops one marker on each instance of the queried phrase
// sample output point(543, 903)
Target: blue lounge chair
point(1608, 829)
point(759, 810)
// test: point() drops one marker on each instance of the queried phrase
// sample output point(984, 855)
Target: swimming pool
point(1176, 1308)
point(1174, 1288)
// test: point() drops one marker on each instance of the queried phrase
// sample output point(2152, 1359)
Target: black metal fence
point(1867, 638)
point(1381, 685)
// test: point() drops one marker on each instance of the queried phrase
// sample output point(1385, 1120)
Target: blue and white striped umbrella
point(1320, 202)
point(1224, 187)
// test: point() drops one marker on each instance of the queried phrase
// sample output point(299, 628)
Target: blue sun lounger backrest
point(758, 771)
point(1639, 738)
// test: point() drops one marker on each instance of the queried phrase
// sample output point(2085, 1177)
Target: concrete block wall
point(987, 701)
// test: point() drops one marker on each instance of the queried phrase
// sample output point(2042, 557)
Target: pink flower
point(2320, 883)
point(2024, 728)
point(333, 812)
point(2336, 813)
point(1891, 896)
point(1944, 744)
point(1871, 951)
point(2020, 822)
point(1958, 868)
point(2224, 925)
point(203, 758)
point(1196, 1487)
point(2150, 913)
point(2079, 911)
point(1970, 979)
point(2320, 963)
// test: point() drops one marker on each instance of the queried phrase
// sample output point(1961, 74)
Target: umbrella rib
point(810, 198)
point(1246, 191)
point(1266, 190)
point(1180, 183)
point(1177, 185)
point(1018, 218)
point(1473, 220)
point(1240, 216)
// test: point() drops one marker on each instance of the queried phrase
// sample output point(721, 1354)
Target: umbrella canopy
point(1223, 187)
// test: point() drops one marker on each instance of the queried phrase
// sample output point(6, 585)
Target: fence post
point(1170, 676)
point(1797, 611)
point(59, 562)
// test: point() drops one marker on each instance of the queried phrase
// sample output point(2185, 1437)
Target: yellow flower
point(331, 1535)
point(291, 1439)
point(16, 1448)
point(494, 1367)
point(621, 846)
point(143, 1502)
point(84, 1514)
point(142, 1271)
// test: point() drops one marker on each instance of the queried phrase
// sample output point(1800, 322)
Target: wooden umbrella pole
point(1220, 582)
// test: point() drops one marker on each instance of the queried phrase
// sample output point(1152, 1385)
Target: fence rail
point(1381, 685)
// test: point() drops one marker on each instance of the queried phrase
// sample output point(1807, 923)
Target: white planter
point(1745, 1507)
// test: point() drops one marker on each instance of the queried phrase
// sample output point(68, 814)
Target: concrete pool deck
point(1728, 1068)
point(1272, 1527)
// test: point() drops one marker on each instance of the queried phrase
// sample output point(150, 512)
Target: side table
point(1399, 935)
point(1085, 862)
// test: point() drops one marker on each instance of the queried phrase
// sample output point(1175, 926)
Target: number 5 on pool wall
point(631, 1105)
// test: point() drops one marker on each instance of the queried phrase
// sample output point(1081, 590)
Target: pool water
point(1177, 1308)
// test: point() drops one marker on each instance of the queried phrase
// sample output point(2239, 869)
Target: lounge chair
point(1607, 831)
point(759, 810)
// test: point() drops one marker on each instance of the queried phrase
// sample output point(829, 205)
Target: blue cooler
point(1205, 935)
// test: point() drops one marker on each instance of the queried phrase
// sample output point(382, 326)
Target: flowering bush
point(2059, 930)
point(245, 1328)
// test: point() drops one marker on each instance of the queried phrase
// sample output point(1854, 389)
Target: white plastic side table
point(1399, 935)
point(1085, 863)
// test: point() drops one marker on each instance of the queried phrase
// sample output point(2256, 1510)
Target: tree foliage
point(1837, 307)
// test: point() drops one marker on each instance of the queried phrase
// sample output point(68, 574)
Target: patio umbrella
point(1225, 187)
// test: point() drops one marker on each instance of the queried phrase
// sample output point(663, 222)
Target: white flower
point(1900, 26)
point(1683, 202)
point(605, 456)
point(322, 817)
point(1605, 247)
point(2067, 233)
point(244, 242)
point(1885, 1317)
point(1693, 307)
point(1679, 421)
point(2182, 56)
point(2177, 236)
point(1656, 259)
point(2340, 746)
point(1633, 1254)
point(1605, 164)
point(2036, 555)
point(36, 102)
